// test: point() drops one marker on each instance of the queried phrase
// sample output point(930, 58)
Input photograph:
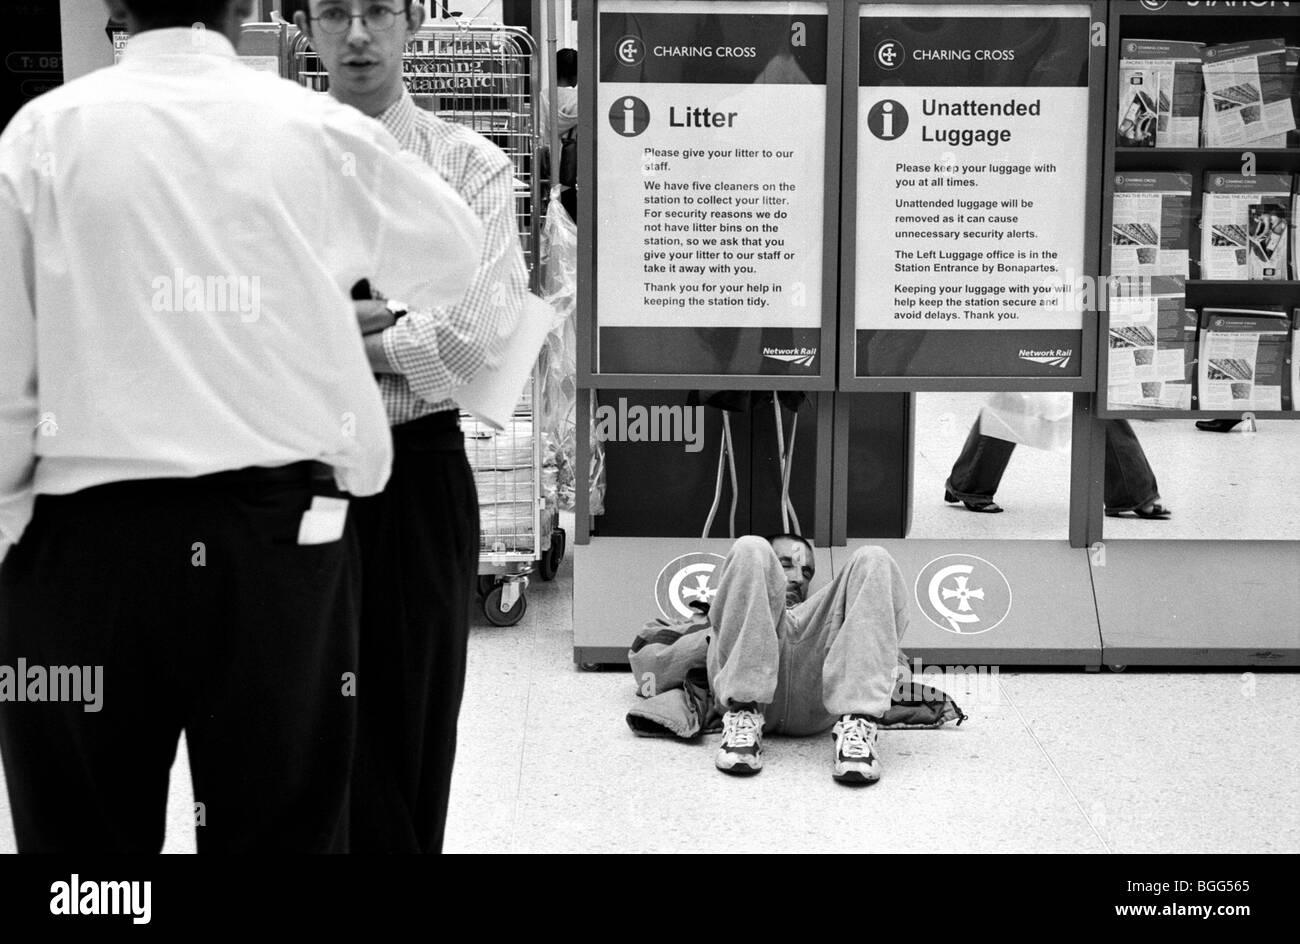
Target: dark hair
point(159, 14)
point(566, 65)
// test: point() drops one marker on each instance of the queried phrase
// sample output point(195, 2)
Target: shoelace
point(741, 731)
point(856, 739)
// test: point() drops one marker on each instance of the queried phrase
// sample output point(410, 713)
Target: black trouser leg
point(569, 200)
point(419, 543)
point(290, 654)
point(978, 470)
point(206, 615)
point(1130, 482)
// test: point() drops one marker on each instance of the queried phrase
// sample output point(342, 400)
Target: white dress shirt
point(178, 237)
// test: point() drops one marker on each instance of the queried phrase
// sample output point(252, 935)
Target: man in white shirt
point(185, 402)
point(420, 536)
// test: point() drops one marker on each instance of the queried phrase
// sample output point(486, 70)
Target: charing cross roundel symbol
point(630, 50)
point(691, 578)
point(963, 594)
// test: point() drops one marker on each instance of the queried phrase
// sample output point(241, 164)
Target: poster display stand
point(977, 180)
point(1153, 604)
point(968, 161)
point(716, 130)
point(1260, 166)
point(708, 239)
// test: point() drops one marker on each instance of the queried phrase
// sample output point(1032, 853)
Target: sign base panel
point(614, 589)
point(1050, 620)
point(1209, 603)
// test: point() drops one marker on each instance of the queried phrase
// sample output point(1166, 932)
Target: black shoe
point(1153, 512)
point(987, 507)
point(1217, 426)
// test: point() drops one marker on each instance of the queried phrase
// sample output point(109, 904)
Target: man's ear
point(244, 9)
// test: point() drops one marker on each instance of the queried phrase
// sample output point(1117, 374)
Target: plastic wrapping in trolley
point(972, 190)
point(711, 155)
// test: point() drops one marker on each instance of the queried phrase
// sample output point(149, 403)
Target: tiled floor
point(1050, 762)
point(1053, 762)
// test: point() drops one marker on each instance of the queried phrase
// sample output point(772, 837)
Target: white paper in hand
point(492, 396)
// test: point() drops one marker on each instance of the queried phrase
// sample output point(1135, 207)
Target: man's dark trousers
point(208, 616)
point(419, 551)
point(1129, 481)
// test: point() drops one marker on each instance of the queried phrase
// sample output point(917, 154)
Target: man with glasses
point(185, 406)
point(420, 537)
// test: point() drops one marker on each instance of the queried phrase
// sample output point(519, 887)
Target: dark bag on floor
point(933, 709)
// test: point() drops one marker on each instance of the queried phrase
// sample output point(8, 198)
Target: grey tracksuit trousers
point(834, 654)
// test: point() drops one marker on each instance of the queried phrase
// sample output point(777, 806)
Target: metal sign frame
point(1086, 379)
point(588, 172)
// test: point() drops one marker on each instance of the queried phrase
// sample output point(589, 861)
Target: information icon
point(887, 120)
point(629, 116)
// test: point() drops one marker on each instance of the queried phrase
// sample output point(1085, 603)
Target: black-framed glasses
point(377, 18)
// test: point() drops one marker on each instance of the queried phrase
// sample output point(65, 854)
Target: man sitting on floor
point(782, 660)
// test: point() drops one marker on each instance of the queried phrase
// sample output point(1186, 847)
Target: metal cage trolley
point(483, 77)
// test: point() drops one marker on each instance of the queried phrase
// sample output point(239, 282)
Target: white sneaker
point(741, 750)
point(855, 750)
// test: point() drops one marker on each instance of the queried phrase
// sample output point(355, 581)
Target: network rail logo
point(1053, 358)
point(800, 356)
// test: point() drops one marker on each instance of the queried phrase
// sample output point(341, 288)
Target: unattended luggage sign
point(710, 155)
point(973, 130)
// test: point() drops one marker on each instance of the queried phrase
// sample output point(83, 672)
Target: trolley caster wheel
point(549, 565)
point(1117, 668)
point(485, 584)
point(589, 666)
point(492, 608)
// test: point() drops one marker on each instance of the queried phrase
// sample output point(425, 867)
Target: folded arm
point(441, 349)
